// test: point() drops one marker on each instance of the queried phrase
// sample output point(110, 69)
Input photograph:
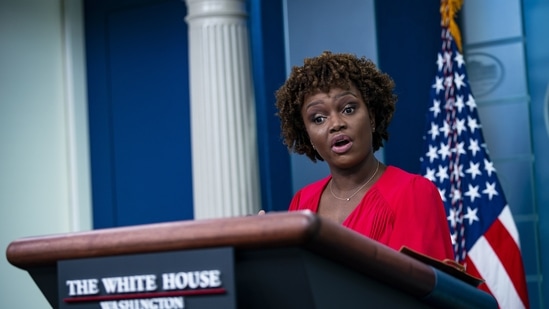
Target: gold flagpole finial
point(448, 11)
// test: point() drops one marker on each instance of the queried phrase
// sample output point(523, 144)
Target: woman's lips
point(341, 144)
point(341, 149)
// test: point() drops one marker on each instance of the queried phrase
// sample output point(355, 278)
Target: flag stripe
point(506, 249)
point(491, 269)
point(472, 270)
point(507, 220)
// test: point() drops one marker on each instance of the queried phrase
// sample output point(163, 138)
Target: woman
point(336, 108)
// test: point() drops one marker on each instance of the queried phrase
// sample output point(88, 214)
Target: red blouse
point(400, 209)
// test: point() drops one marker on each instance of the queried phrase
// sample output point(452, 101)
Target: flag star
point(445, 129)
point(489, 167)
point(432, 153)
point(471, 103)
point(448, 58)
point(448, 81)
point(444, 151)
point(471, 215)
point(474, 170)
point(438, 84)
point(452, 217)
point(473, 146)
point(435, 108)
point(449, 106)
point(442, 173)
point(458, 80)
point(472, 123)
point(430, 174)
point(460, 126)
point(440, 61)
point(490, 190)
point(459, 103)
point(434, 131)
point(485, 147)
point(442, 193)
point(459, 59)
point(456, 196)
point(472, 193)
point(460, 148)
point(453, 237)
point(459, 216)
point(457, 172)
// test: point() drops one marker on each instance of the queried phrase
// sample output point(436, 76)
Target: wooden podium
point(279, 260)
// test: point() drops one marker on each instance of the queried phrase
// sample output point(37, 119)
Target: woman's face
point(339, 126)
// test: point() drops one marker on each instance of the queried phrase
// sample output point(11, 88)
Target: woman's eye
point(318, 119)
point(348, 109)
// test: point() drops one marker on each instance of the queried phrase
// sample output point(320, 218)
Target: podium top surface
point(282, 229)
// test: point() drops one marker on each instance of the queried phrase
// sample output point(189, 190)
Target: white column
point(223, 122)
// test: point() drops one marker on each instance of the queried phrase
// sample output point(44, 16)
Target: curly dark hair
point(330, 70)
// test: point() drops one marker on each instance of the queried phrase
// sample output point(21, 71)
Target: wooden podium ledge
point(303, 229)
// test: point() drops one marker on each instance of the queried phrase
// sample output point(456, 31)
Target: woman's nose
point(337, 123)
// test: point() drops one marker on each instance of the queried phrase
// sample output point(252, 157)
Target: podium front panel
point(190, 279)
point(296, 278)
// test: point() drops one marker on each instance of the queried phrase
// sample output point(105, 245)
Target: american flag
point(456, 159)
